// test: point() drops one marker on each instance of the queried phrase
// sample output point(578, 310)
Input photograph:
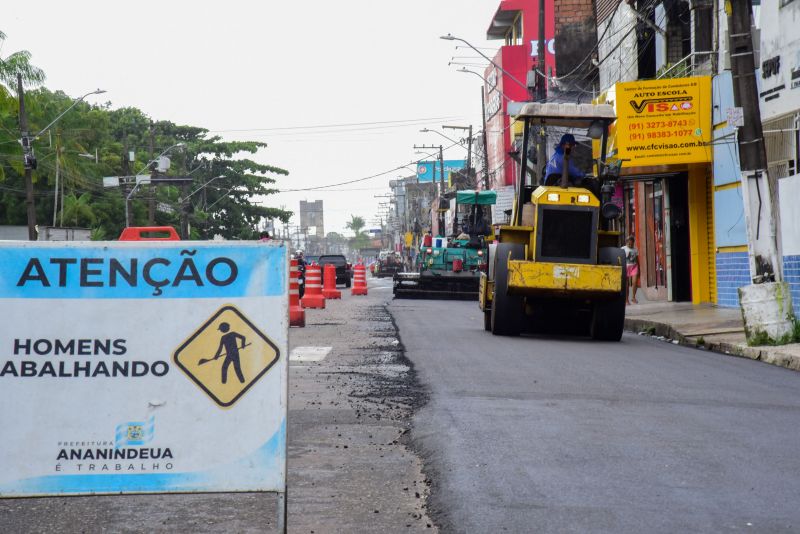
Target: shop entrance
point(681, 272)
point(657, 214)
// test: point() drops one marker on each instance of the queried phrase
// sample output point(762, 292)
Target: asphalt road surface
point(560, 434)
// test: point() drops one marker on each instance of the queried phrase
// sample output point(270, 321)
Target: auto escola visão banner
point(664, 122)
point(142, 367)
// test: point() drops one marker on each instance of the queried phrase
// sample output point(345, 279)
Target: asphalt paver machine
point(449, 268)
point(559, 263)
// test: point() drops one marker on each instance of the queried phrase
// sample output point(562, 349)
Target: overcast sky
point(260, 69)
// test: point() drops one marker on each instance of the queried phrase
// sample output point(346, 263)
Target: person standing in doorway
point(632, 259)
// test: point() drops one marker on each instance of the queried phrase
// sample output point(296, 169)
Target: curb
point(766, 354)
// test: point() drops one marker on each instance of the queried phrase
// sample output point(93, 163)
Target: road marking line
point(309, 354)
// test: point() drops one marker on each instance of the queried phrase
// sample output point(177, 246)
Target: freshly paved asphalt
point(559, 434)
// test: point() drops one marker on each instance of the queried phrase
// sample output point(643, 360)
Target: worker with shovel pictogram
point(228, 347)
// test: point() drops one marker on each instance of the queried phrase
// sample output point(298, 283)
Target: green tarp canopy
point(482, 198)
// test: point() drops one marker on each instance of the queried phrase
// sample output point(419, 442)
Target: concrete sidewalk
point(706, 327)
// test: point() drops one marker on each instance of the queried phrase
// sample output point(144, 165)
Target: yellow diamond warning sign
point(226, 356)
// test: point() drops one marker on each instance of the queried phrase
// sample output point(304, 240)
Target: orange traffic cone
point(329, 290)
point(297, 315)
point(313, 297)
point(359, 280)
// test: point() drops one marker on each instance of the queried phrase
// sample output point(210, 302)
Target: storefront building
point(663, 134)
point(779, 92)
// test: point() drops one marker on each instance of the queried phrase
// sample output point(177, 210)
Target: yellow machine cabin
point(558, 263)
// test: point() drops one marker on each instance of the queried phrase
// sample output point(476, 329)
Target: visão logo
point(660, 105)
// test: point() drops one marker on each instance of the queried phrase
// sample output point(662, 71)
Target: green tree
point(227, 196)
point(18, 63)
point(355, 224)
point(77, 211)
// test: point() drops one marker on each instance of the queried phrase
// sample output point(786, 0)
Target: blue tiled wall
point(733, 271)
point(791, 273)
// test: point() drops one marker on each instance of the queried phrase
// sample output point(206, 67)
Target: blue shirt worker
point(555, 166)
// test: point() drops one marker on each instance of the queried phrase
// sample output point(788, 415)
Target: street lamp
point(464, 69)
point(449, 37)
point(143, 179)
point(426, 130)
point(78, 101)
point(469, 143)
point(27, 151)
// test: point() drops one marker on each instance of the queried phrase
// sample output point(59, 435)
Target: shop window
point(514, 33)
point(629, 200)
point(703, 22)
point(656, 272)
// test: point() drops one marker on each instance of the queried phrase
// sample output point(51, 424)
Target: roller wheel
point(507, 311)
point(608, 316)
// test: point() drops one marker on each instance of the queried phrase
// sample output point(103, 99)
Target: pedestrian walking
point(632, 259)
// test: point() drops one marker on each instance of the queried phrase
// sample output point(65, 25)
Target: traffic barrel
point(329, 290)
point(359, 280)
point(313, 297)
point(297, 315)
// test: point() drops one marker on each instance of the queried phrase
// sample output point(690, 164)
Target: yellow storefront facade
point(663, 135)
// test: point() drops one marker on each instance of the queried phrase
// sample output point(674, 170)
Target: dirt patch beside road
point(350, 415)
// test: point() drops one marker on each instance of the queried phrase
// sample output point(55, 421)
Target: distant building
point(312, 218)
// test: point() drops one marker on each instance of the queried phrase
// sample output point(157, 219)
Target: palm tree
point(355, 224)
point(18, 63)
point(78, 209)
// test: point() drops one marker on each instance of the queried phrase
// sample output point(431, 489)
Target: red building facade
point(516, 22)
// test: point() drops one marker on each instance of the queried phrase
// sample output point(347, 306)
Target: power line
point(378, 175)
point(340, 125)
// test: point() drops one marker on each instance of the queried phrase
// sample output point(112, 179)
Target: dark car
point(344, 270)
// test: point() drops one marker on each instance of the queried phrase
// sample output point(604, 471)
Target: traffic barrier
point(313, 297)
point(297, 315)
point(329, 290)
point(359, 280)
point(149, 233)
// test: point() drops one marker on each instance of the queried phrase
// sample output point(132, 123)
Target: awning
point(481, 198)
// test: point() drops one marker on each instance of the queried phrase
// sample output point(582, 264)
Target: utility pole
point(29, 160)
point(486, 185)
point(439, 212)
point(541, 96)
point(58, 172)
point(768, 296)
point(151, 205)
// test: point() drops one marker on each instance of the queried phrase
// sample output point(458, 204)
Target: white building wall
point(617, 51)
point(780, 59)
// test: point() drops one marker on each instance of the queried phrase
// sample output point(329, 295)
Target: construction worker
point(555, 166)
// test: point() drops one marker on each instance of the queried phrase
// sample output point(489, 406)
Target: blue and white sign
point(143, 367)
point(429, 171)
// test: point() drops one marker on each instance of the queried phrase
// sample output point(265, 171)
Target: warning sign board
point(143, 367)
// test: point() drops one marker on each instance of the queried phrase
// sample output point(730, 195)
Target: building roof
point(502, 20)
